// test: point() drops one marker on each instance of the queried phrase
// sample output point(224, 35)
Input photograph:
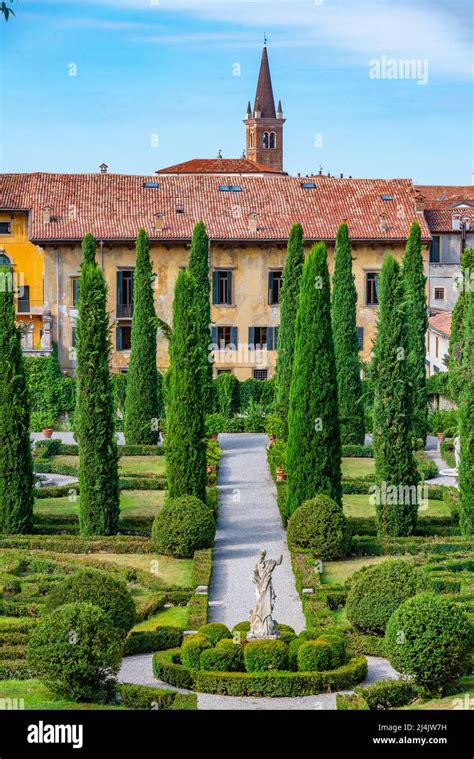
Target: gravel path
point(138, 671)
point(248, 521)
point(432, 450)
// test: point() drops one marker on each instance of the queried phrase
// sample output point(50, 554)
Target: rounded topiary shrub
point(225, 657)
point(76, 651)
point(295, 644)
point(320, 526)
point(376, 592)
point(315, 656)
point(215, 631)
point(337, 646)
point(183, 526)
point(191, 650)
point(100, 589)
point(264, 655)
point(429, 637)
point(242, 627)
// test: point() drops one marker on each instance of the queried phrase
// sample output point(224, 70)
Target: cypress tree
point(199, 269)
point(16, 466)
point(94, 421)
point(417, 317)
point(286, 334)
point(466, 421)
point(314, 444)
point(346, 345)
point(185, 434)
point(456, 340)
point(395, 466)
point(141, 402)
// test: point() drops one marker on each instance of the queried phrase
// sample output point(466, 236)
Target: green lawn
point(353, 467)
point(128, 465)
point(339, 571)
point(38, 696)
point(171, 571)
point(133, 503)
point(463, 699)
point(360, 506)
point(178, 616)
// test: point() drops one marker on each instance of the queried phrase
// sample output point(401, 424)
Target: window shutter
point(119, 288)
point(215, 288)
point(118, 337)
point(269, 338)
point(229, 290)
point(233, 336)
point(252, 336)
point(214, 335)
point(360, 337)
point(132, 279)
point(270, 287)
point(275, 338)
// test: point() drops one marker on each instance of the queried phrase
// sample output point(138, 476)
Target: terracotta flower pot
point(272, 439)
point(214, 436)
point(48, 432)
point(440, 436)
point(211, 468)
point(280, 475)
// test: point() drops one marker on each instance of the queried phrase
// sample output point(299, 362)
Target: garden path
point(248, 521)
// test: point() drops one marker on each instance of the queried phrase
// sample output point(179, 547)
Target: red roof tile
point(441, 322)
point(445, 196)
point(219, 166)
point(116, 206)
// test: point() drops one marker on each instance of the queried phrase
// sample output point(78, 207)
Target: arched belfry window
point(251, 140)
point(4, 260)
point(265, 139)
point(273, 140)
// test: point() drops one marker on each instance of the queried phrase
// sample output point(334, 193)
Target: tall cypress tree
point(466, 420)
point(199, 269)
point(185, 436)
point(286, 334)
point(16, 466)
point(395, 466)
point(141, 402)
point(314, 444)
point(456, 339)
point(417, 316)
point(94, 422)
point(346, 347)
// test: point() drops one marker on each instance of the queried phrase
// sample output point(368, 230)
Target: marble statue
point(262, 625)
point(457, 452)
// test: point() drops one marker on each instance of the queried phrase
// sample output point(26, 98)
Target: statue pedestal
point(253, 636)
point(449, 473)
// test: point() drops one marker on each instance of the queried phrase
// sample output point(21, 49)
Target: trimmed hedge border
point(202, 567)
point(270, 684)
point(148, 642)
point(143, 697)
point(78, 544)
point(15, 669)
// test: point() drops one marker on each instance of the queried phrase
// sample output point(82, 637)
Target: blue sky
point(166, 68)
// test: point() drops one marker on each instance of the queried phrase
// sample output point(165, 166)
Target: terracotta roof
point(219, 166)
point(115, 206)
point(441, 219)
point(445, 196)
point(264, 96)
point(441, 322)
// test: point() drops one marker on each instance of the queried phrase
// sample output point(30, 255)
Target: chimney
point(341, 176)
point(383, 222)
point(253, 222)
point(46, 214)
point(103, 168)
point(158, 222)
point(419, 202)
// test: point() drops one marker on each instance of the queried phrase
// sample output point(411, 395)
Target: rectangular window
point(223, 371)
point(260, 374)
point(360, 337)
point(275, 279)
point(435, 250)
point(124, 337)
point(372, 288)
point(222, 288)
point(125, 294)
point(261, 338)
point(24, 300)
point(224, 337)
point(73, 337)
point(439, 293)
point(5, 227)
point(75, 291)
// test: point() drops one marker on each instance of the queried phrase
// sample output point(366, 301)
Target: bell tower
point(264, 125)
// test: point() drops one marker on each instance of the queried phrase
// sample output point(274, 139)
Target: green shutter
point(215, 288)
point(214, 335)
point(270, 286)
point(233, 336)
point(119, 288)
point(118, 337)
point(229, 289)
point(251, 335)
point(275, 338)
point(269, 338)
point(360, 337)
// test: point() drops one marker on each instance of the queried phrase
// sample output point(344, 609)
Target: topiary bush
point(389, 694)
point(375, 592)
point(263, 655)
point(191, 650)
point(225, 657)
point(183, 525)
point(215, 631)
point(320, 526)
point(315, 656)
point(429, 637)
point(100, 589)
point(337, 647)
point(76, 652)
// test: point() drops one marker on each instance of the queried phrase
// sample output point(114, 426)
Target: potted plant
point(274, 428)
point(280, 474)
point(43, 421)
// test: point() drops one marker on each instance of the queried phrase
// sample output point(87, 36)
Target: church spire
point(264, 93)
